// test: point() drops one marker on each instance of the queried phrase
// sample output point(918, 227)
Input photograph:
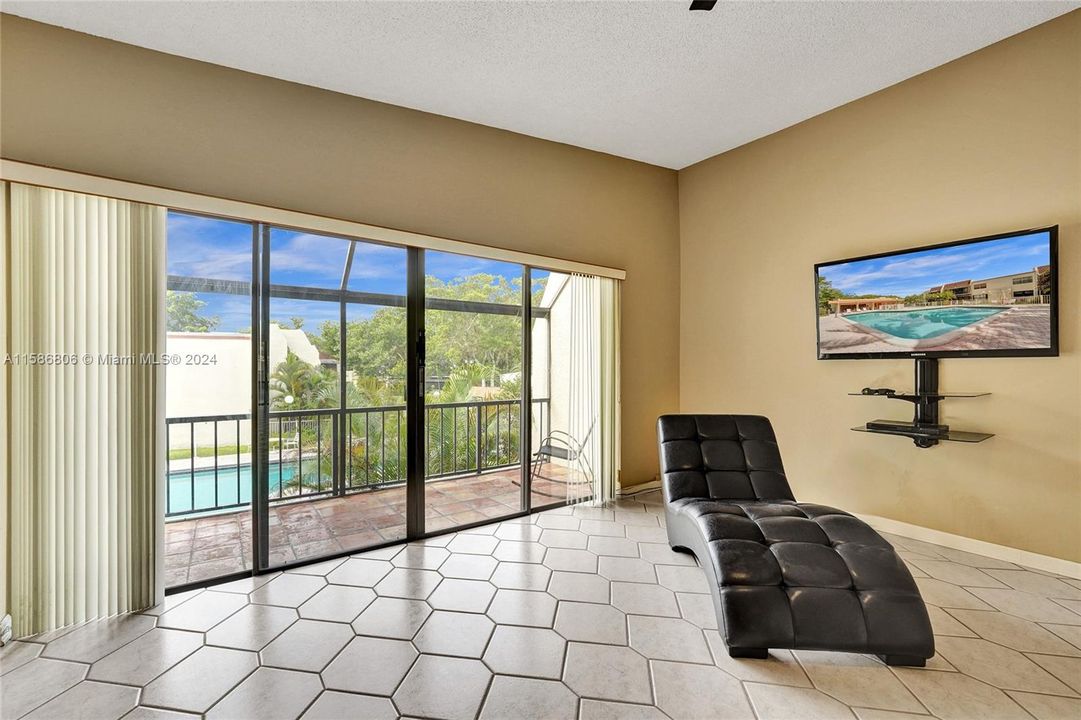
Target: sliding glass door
point(208, 380)
point(334, 334)
point(472, 390)
point(339, 394)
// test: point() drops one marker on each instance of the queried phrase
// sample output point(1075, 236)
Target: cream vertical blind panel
point(4, 407)
point(86, 317)
point(593, 402)
point(610, 408)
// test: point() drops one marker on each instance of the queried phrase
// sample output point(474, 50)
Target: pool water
point(233, 487)
point(923, 323)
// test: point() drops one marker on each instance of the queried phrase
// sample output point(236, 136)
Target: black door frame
point(416, 303)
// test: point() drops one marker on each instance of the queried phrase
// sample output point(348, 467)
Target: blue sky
point(915, 272)
point(221, 249)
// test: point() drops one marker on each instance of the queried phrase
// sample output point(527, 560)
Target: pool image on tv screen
point(982, 295)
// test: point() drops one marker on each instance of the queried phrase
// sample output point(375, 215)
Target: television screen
point(992, 296)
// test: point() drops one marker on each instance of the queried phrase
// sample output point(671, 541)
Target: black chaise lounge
point(783, 574)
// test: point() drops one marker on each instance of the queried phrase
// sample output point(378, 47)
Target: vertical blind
point(86, 280)
point(593, 416)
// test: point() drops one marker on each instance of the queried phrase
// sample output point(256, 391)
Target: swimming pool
point(233, 487)
point(923, 323)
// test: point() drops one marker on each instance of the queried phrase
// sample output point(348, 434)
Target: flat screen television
point(994, 296)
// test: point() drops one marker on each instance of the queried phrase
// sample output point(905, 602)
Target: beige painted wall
point(988, 143)
point(91, 105)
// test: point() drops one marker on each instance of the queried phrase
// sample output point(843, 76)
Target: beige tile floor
point(575, 613)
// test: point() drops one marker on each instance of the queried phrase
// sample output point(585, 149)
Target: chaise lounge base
point(782, 574)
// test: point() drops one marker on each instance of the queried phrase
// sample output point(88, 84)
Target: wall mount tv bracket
point(924, 429)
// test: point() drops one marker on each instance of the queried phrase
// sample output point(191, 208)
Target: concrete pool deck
point(1020, 326)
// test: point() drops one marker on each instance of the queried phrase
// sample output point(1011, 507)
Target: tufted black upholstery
point(783, 574)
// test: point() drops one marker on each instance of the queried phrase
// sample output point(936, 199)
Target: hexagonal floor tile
point(557, 521)
point(252, 627)
point(580, 587)
point(1037, 584)
point(392, 617)
point(337, 603)
point(1066, 669)
point(776, 702)
point(306, 645)
point(661, 554)
point(602, 528)
point(523, 607)
point(627, 570)
point(269, 692)
point(454, 633)
point(589, 622)
point(373, 666)
point(473, 544)
point(604, 710)
point(333, 705)
point(996, 665)
point(408, 583)
point(613, 546)
point(947, 595)
point(682, 579)
point(563, 539)
point(362, 573)
point(199, 614)
point(148, 656)
point(780, 668)
point(287, 590)
point(1025, 605)
point(525, 552)
point(953, 696)
point(520, 576)
point(644, 599)
point(697, 610)
point(421, 557)
point(607, 672)
point(515, 697)
point(581, 561)
point(1013, 632)
point(101, 701)
point(443, 687)
point(468, 567)
point(462, 595)
point(522, 532)
point(661, 638)
point(696, 691)
point(200, 680)
point(856, 679)
point(535, 652)
point(1048, 707)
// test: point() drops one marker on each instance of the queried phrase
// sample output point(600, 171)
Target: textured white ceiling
point(644, 80)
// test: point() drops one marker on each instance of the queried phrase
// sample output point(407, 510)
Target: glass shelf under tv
point(915, 433)
point(905, 394)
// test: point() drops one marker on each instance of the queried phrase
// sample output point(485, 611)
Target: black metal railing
point(210, 473)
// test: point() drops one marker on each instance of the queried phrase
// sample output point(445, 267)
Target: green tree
point(917, 299)
point(375, 346)
point(182, 313)
point(308, 386)
point(940, 296)
point(827, 292)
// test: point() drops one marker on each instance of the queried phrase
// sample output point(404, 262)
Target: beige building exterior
point(213, 377)
point(1020, 287)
